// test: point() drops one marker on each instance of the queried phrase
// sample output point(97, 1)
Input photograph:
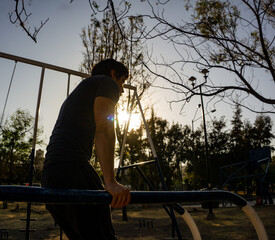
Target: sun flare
point(135, 121)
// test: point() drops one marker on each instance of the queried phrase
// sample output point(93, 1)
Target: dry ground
point(229, 223)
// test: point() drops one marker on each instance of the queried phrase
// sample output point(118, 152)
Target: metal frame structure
point(258, 158)
point(70, 72)
point(59, 196)
point(43, 67)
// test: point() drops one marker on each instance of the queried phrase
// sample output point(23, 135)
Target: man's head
point(106, 66)
point(114, 69)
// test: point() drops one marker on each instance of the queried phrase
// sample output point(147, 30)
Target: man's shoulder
point(98, 78)
point(106, 82)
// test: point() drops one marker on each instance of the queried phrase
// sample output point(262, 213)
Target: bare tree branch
point(219, 43)
point(217, 35)
point(21, 17)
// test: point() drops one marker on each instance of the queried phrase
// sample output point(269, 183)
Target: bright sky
point(59, 43)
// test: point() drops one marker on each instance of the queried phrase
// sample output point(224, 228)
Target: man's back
point(74, 131)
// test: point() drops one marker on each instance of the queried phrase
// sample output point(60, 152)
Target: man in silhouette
point(86, 117)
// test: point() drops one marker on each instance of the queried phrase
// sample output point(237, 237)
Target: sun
point(135, 120)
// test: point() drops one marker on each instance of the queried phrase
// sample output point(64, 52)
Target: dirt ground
point(144, 222)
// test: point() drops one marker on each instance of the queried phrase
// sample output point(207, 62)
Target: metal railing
point(73, 196)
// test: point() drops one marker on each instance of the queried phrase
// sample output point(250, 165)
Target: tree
point(245, 136)
point(195, 168)
point(220, 35)
point(21, 16)
point(102, 39)
point(173, 147)
point(218, 141)
point(237, 126)
point(135, 152)
point(216, 34)
point(239, 146)
point(218, 138)
point(16, 143)
point(178, 151)
point(262, 131)
point(227, 147)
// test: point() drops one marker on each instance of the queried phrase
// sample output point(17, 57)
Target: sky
point(59, 43)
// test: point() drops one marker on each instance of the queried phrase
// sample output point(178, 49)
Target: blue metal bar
point(234, 164)
point(234, 173)
point(77, 196)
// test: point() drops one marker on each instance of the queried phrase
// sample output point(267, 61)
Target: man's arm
point(104, 109)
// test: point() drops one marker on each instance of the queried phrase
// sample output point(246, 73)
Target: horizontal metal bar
point(137, 164)
point(263, 160)
point(234, 164)
point(50, 66)
point(76, 196)
point(42, 64)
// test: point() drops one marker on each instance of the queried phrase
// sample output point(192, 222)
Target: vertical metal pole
point(164, 187)
point(146, 128)
point(68, 92)
point(3, 113)
point(125, 134)
point(205, 140)
point(68, 85)
point(210, 210)
point(33, 150)
point(38, 108)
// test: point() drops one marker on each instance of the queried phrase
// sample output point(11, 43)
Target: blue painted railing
point(77, 196)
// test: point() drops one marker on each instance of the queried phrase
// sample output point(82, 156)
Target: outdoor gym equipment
point(43, 195)
point(59, 196)
point(70, 72)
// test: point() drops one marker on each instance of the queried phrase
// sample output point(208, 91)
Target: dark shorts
point(79, 222)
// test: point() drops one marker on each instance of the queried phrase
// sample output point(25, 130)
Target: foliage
point(15, 147)
point(168, 143)
point(243, 138)
point(262, 132)
point(102, 39)
point(219, 139)
point(234, 37)
point(181, 152)
point(222, 35)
